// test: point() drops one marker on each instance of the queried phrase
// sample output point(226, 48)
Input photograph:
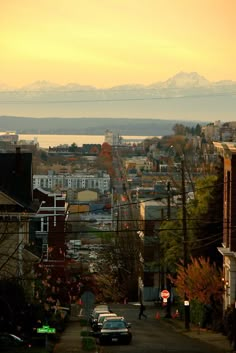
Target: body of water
point(46, 141)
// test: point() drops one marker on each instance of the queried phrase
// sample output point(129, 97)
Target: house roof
point(225, 147)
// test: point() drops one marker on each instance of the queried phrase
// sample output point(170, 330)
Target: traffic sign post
point(165, 294)
point(47, 330)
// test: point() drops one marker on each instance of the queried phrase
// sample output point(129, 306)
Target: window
point(44, 224)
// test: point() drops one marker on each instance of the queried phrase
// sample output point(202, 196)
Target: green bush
point(206, 316)
point(84, 333)
point(88, 343)
point(197, 313)
point(83, 322)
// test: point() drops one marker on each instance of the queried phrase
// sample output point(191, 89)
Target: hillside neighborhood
point(122, 220)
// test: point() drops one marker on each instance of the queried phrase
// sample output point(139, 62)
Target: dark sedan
point(12, 343)
point(115, 331)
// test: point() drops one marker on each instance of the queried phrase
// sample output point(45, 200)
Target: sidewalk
point(70, 341)
point(216, 339)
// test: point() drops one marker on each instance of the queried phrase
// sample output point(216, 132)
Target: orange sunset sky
point(111, 42)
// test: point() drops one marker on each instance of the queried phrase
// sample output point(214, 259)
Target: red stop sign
point(165, 294)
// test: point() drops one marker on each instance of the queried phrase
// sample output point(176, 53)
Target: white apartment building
point(112, 138)
point(52, 181)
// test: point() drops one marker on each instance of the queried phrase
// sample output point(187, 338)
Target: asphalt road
point(153, 335)
point(150, 335)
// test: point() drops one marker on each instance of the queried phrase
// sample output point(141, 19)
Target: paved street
point(150, 336)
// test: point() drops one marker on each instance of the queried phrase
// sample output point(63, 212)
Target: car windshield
point(114, 325)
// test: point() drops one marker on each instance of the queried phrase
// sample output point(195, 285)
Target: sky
point(105, 43)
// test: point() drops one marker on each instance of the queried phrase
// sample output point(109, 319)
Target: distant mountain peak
point(4, 87)
point(186, 79)
point(40, 85)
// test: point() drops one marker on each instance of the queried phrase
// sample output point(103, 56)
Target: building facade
point(112, 138)
point(64, 182)
point(17, 208)
point(152, 214)
point(50, 226)
point(228, 248)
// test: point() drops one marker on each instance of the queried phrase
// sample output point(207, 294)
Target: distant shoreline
point(72, 134)
point(90, 126)
point(54, 140)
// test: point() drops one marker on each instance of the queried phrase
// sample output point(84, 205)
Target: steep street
point(150, 335)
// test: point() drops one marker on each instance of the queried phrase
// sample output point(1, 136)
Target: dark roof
point(16, 176)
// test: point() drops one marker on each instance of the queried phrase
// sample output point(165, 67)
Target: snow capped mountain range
point(183, 96)
point(180, 80)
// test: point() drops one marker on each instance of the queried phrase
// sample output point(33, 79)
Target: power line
point(108, 231)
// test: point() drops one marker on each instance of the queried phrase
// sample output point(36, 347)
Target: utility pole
point(185, 245)
point(167, 283)
point(117, 223)
point(168, 200)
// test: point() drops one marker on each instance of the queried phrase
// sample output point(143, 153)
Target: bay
point(46, 141)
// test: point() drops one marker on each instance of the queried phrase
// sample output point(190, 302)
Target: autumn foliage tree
point(105, 158)
point(108, 288)
point(200, 280)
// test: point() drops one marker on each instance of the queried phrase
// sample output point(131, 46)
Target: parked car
point(12, 343)
point(97, 325)
point(95, 315)
point(114, 331)
point(99, 309)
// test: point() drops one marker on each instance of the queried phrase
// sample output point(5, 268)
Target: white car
point(97, 325)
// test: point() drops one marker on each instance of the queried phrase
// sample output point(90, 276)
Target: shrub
point(83, 322)
point(84, 333)
point(88, 343)
point(197, 313)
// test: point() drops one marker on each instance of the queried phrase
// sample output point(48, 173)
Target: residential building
point(112, 138)
point(139, 163)
point(218, 131)
point(9, 136)
point(51, 181)
point(151, 215)
point(17, 208)
point(212, 131)
point(228, 249)
point(49, 226)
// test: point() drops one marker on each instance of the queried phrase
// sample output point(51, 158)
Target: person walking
point(142, 308)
